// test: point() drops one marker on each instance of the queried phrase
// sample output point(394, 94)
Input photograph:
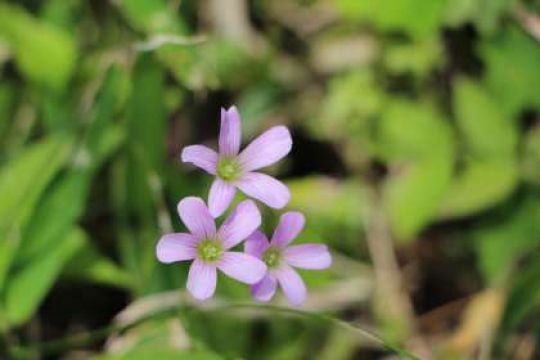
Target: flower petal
point(242, 267)
point(202, 157)
point(202, 279)
point(220, 197)
point(292, 284)
point(230, 133)
point(196, 217)
point(265, 289)
point(308, 256)
point(269, 147)
point(241, 223)
point(290, 225)
point(176, 247)
point(265, 189)
point(256, 244)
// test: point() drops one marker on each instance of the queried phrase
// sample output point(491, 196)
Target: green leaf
point(418, 146)
point(411, 199)
point(151, 16)
point(89, 264)
point(475, 190)
point(502, 242)
point(31, 39)
point(488, 133)
point(524, 296)
point(22, 181)
point(512, 61)
point(419, 18)
point(26, 288)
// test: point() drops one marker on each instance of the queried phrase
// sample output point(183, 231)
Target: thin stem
point(88, 338)
point(391, 298)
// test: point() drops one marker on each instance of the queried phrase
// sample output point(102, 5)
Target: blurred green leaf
point(31, 39)
point(411, 199)
point(151, 16)
point(417, 17)
point(490, 139)
point(26, 289)
point(512, 61)
point(501, 243)
point(487, 132)
point(147, 128)
point(524, 296)
point(530, 161)
point(418, 146)
point(162, 354)
point(485, 15)
point(22, 181)
point(418, 57)
point(89, 264)
point(475, 188)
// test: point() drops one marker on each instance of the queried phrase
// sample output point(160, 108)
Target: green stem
point(87, 338)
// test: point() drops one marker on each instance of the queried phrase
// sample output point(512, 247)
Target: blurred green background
point(416, 158)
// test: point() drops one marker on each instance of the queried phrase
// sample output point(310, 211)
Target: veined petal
point(176, 247)
point(292, 284)
point(196, 217)
point(308, 256)
point(242, 267)
point(221, 195)
point(265, 289)
point(290, 225)
point(265, 188)
point(241, 223)
point(268, 148)
point(230, 134)
point(202, 280)
point(202, 157)
point(256, 244)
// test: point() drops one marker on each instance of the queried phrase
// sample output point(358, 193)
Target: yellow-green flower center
point(210, 250)
point(229, 169)
point(272, 257)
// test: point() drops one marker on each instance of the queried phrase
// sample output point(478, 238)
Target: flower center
point(272, 257)
point(209, 250)
point(228, 169)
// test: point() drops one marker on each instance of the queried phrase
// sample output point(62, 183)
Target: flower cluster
point(264, 264)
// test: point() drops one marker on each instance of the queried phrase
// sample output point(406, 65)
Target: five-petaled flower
point(281, 258)
point(210, 248)
point(234, 169)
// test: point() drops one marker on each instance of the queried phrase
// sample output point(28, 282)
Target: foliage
point(427, 110)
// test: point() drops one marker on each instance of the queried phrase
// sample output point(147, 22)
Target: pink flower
point(281, 258)
point(209, 248)
point(234, 169)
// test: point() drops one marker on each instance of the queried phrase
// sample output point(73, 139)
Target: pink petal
point(265, 189)
point(265, 289)
point(241, 223)
point(242, 267)
point(201, 156)
point(308, 256)
point(268, 148)
point(202, 279)
point(256, 244)
point(196, 217)
point(176, 247)
point(290, 225)
point(221, 195)
point(230, 133)
point(292, 284)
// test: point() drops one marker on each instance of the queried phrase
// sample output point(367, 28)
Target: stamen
point(272, 257)
point(210, 250)
point(228, 169)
